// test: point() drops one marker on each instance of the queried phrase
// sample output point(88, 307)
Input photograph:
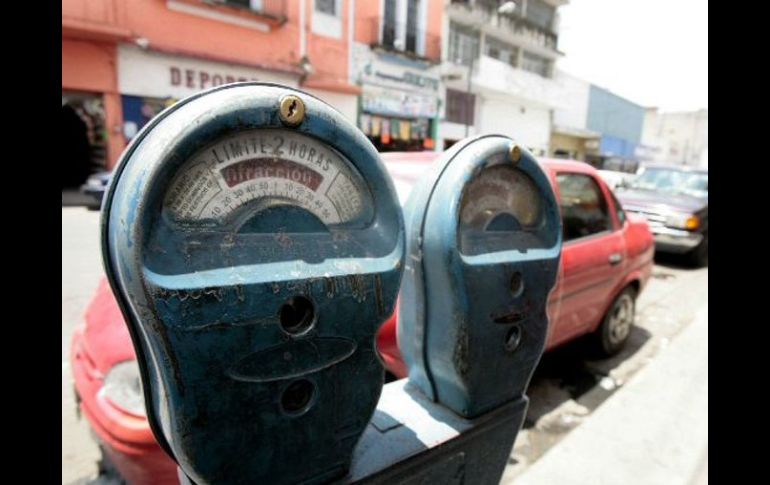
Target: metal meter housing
point(254, 242)
point(483, 249)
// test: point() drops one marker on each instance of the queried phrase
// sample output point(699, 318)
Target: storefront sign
point(158, 75)
point(398, 103)
point(375, 70)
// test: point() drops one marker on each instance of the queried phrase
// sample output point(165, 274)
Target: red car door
point(593, 256)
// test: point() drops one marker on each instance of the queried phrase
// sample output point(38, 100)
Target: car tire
point(699, 257)
point(613, 333)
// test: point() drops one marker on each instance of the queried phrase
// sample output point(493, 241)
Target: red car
point(606, 261)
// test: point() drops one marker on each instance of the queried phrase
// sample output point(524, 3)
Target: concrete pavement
point(654, 430)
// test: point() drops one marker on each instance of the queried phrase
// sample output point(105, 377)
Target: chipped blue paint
point(220, 373)
point(457, 309)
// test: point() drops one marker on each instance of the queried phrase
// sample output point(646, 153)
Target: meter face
point(500, 210)
point(264, 170)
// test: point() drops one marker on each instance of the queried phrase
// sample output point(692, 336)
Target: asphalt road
point(565, 390)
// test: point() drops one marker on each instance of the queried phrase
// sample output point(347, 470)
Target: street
point(566, 388)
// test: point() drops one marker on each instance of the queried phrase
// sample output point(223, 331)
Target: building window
point(540, 13)
point(536, 64)
point(255, 5)
point(463, 44)
point(328, 7)
point(389, 24)
point(403, 27)
point(326, 19)
point(460, 107)
point(501, 51)
point(412, 33)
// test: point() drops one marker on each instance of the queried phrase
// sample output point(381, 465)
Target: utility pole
point(469, 97)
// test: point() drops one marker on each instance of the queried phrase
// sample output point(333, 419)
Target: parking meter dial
point(499, 207)
point(258, 170)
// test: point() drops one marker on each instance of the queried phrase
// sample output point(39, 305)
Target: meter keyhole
point(292, 110)
point(297, 315)
point(297, 397)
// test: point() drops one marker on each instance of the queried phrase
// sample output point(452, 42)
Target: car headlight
point(683, 221)
point(123, 388)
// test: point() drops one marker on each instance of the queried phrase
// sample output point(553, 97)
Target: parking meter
point(483, 249)
point(255, 244)
point(483, 238)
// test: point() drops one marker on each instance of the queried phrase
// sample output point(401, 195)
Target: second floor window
point(463, 44)
point(501, 51)
point(328, 7)
point(459, 107)
point(406, 36)
point(536, 64)
point(255, 5)
point(540, 13)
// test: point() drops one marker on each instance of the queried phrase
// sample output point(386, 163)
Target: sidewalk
point(652, 431)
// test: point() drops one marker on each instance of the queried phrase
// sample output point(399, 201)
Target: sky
point(652, 52)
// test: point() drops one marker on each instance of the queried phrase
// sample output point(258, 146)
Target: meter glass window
point(500, 210)
point(248, 179)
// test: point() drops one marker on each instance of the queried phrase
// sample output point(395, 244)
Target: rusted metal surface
point(254, 324)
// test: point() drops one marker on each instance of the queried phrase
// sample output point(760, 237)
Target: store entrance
point(84, 141)
point(397, 134)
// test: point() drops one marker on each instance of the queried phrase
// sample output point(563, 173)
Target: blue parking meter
point(483, 249)
point(255, 244)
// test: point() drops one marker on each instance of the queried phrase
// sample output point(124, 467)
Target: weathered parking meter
point(483, 249)
point(255, 244)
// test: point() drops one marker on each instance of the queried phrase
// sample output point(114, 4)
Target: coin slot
point(297, 315)
point(513, 338)
point(298, 397)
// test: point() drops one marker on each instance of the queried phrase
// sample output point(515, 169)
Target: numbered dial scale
point(500, 209)
point(254, 171)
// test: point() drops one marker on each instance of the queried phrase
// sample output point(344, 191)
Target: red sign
point(253, 169)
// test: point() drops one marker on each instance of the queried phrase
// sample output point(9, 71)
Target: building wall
point(528, 124)
point(203, 42)
point(368, 15)
point(509, 99)
point(344, 103)
point(192, 27)
point(678, 137)
point(398, 87)
point(329, 54)
point(90, 67)
point(614, 116)
point(571, 144)
point(433, 28)
point(571, 101)
point(225, 34)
